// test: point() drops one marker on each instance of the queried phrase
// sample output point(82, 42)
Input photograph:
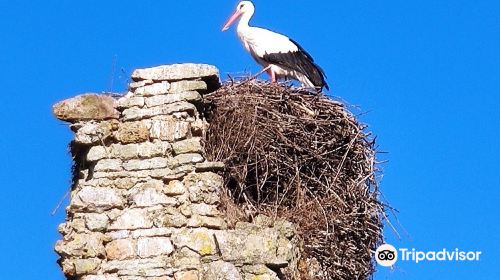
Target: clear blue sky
point(427, 71)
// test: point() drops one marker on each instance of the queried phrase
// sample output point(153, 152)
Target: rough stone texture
point(203, 187)
point(174, 188)
point(100, 277)
point(135, 113)
point(185, 259)
point(198, 127)
point(86, 266)
point(130, 151)
point(191, 96)
point(96, 222)
point(210, 166)
point(120, 249)
point(205, 210)
point(265, 274)
point(93, 132)
point(221, 270)
point(153, 89)
point(133, 132)
point(270, 275)
point(183, 86)
point(192, 145)
point(240, 246)
point(86, 107)
point(109, 165)
point(176, 72)
point(87, 245)
point(169, 128)
point(170, 217)
point(150, 196)
point(152, 232)
point(145, 205)
point(127, 102)
point(199, 240)
point(155, 246)
point(145, 164)
point(207, 222)
point(134, 85)
point(135, 218)
point(187, 275)
point(184, 159)
point(97, 198)
point(124, 267)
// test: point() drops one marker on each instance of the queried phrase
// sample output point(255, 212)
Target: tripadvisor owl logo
point(386, 255)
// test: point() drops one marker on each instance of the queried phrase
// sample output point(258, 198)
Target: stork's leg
point(271, 74)
point(262, 71)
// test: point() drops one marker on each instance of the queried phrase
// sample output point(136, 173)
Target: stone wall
point(145, 201)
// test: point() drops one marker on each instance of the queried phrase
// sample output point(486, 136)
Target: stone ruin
point(145, 201)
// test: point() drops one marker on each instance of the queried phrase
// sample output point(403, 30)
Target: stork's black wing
point(300, 61)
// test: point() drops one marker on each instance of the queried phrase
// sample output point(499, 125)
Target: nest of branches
point(300, 156)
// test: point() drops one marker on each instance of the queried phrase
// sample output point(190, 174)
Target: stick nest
point(300, 156)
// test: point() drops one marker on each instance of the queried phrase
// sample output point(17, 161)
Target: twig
point(254, 76)
point(60, 203)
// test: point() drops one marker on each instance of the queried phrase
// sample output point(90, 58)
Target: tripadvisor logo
point(388, 255)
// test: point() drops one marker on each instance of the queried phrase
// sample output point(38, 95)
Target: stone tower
point(145, 201)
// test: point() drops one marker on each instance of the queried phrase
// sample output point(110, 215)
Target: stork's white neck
point(243, 24)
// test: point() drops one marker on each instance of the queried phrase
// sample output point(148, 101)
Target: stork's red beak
point(231, 20)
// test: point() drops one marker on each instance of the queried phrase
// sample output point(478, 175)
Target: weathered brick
point(148, 196)
point(132, 219)
point(154, 246)
point(108, 165)
point(100, 198)
point(133, 101)
point(134, 85)
point(169, 128)
point(187, 275)
point(153, 89)
point(176, 72)
point(183, 86)
point(145, 164)
point(192, 145)
point(132, 132)
point(190, 96)
point(174, 188)
point(120, 249)
point(135, 113)
point(96, 222)
point(199, 240)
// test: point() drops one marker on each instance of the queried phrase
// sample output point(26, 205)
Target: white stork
point(280, 56)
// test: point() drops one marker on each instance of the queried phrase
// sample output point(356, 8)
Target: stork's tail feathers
point(319, 78)
point(312, 70)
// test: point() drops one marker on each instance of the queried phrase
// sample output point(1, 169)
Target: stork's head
point(243, 8)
